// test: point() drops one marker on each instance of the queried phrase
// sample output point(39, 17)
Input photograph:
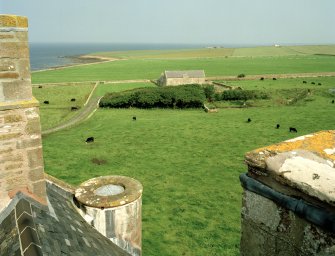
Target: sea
point(50, 55)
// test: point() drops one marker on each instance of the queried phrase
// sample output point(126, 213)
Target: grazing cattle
point(333, 101)
point(40, 86)
point(249, 120)
point(277, 126)
point(312, 82)
point(74, 108)
point(274, 78)
point(304, 82)
point(319, 84)
point(73, 99)
point(46, 102)
point(134, 118)
point(292, 129)
point(262, 78)
point(90, 140)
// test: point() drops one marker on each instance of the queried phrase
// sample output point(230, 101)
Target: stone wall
point(288, 198)
point(181, 81)
point(21, 160)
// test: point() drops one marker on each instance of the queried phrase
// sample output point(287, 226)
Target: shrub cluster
point(241, 95)
point(186, 96)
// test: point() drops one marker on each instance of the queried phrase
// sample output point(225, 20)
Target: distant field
point(284, 83)
point(152, 69)
point(102, 89)
point(222, 52)
point(59, 97)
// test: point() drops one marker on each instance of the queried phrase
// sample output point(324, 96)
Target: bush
point(186, 96)
point(209, 92)
point(243, 95)
point(241, 75)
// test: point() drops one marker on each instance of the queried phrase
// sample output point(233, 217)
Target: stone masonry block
point(12, 157)
point(21, 36)
point(32, 113)
point(259, 209)
point(257, 240)
point(9, 75)
point(7, 65)
point(14, 50)
point(23, 67)
point(9, 136)
point(13, 21)
point(15, 181)
point(8, 21)
point(16, 90)
point(33, 126)
point(13, 166)
point(35, 158)
point(13, 118)
point(6, 36)
point(39, 188)
point(36, 174)
point(29, 143)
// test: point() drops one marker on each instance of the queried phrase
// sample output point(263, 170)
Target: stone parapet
point(289, 198)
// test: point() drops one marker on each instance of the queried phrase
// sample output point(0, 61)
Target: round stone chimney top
point(108, 191)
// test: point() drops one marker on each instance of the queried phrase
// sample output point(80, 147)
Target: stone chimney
point(21, 160)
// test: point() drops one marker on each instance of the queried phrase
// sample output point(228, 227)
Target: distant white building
point(174, 78)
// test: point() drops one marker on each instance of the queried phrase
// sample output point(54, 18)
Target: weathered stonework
point(21, 160)
point(288, 205)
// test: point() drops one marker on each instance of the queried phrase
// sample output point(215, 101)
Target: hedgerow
point(185, 96)
point(241, 95)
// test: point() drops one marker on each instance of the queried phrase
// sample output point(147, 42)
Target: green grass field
point(102, 89)
point(187, 160)
point(222, 52)
point(145, 68)
point(59, 108)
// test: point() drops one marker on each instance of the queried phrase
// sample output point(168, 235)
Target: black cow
point(90, 140)
point(292, 129)
point(134, 118)
point(40, 86)
point(277, 126)
point(312, 82)
point(262, 78)
point(333, 101)
point(319, 84)
point(46, 102)
point(73, 99)
point(274, 78)
point(249, 120)
point(304, 82)
point(74, 108)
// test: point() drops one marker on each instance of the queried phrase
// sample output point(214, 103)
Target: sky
point(214, 22)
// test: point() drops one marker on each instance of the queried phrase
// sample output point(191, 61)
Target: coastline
point(79, 60)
